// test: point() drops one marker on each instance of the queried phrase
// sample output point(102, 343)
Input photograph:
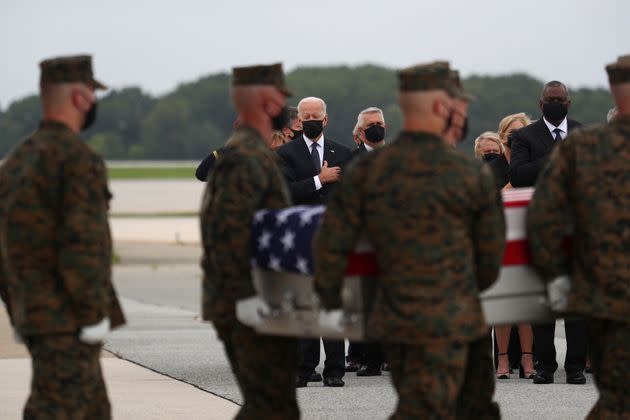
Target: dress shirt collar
point(368, 147)
point(563, 126)
point(310, 142)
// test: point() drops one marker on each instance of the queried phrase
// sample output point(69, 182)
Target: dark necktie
point(315, 156)
point(557, 137)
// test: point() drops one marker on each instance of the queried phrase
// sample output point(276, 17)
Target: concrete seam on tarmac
point(169, 376)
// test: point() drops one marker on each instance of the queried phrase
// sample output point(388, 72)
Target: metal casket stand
point(286, 304)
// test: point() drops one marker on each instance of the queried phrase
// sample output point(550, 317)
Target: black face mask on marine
point(90, 117)
point(555, 111)
point(375, 133)
point(313, 128)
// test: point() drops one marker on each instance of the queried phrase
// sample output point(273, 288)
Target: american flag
point(282, 239)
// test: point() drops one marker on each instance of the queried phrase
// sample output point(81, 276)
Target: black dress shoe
point(315, 377)
point(301, 382)
point(576, 378)
point(366, 370)
point(333, 381)
point(352, 366)
point(543, 377)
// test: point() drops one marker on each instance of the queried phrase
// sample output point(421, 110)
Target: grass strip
point(178, 172)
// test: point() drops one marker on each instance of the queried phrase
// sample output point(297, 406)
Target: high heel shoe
point(527, 374)
point(505, 374)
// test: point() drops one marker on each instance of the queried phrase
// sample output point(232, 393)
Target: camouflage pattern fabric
point(55, 243)
point(427, 378)
point(68, 70)
point(245, 178)
point(67, 380)
point(609, 352)
point(587, 180)
point(264, 367)
point(435, 221)
point(475, 397)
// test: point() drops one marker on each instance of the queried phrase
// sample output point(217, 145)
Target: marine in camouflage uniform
point(55, 254)
point(475, 396)
point(246, 178)
point(436, 224)
point(587, 180)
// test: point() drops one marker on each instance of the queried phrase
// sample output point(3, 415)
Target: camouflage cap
point(460, 93)
point(69, 69)
point(619, 72)
point(433, 76)
point(271, 74)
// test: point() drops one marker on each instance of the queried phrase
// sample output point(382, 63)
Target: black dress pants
point(334, 366)
point(545, 350)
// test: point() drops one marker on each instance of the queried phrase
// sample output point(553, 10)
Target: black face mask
point(489, 157)
point(375, 133)
point(281, 120)
point(296, 133)
point(90, 117)
point(449, 125)
point(313, 128)
point(555, 111)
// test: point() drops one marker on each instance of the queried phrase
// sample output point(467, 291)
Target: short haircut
point(310, 98)
point(360, 117)
point(487, 135)
point(505, 123)
point(554, 83)
point(293, 115)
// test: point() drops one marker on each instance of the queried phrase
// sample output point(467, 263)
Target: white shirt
point(368, 147)
point(564, 126)
point(320, 152)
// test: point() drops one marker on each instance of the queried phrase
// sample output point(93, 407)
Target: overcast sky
point(157, 44)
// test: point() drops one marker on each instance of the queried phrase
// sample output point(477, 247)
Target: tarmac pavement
point(166, 363)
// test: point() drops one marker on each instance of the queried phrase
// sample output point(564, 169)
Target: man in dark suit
point(366, 358)
point(312, 166)
point(531, 147)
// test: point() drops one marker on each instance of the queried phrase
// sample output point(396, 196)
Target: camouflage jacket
point(588, 181)
point(55, 243)
point(245, 178)
point(435, 220)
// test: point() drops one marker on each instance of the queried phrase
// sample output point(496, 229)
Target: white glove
point(17, 337)
point(558, 293)
point(95, 334)
point(332, 319)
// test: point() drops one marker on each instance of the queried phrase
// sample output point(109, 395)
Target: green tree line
point(197, 117)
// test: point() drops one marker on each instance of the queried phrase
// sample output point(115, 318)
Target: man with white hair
point(366, 358)
point(369, 132)
point(312, 166)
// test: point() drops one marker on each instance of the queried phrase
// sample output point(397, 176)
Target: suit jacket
point(359, 150)
point(298, 169)
point(531, 147)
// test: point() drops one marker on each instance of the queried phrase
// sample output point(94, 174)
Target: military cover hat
point(619, 72)
point(460, 93)
point(271, 74)
point(421, 77)
point(69, 69)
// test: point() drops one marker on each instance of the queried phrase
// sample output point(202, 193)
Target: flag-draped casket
point(282, 268)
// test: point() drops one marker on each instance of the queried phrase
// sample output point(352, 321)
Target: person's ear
point(540, 104)
point(569, 103)
point(325, 120)
point(80, 101)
